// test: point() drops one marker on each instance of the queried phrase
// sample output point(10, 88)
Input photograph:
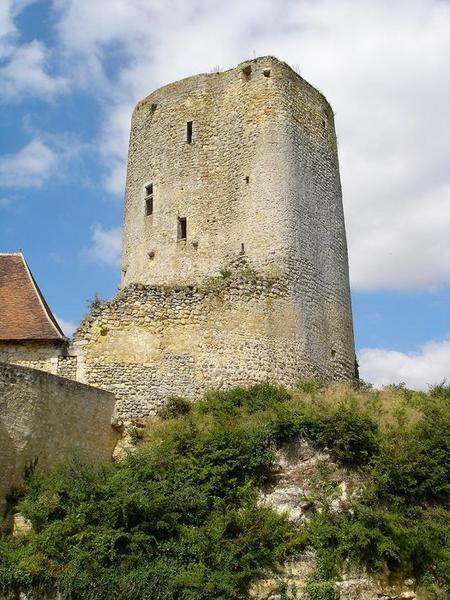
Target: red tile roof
point(24, 314)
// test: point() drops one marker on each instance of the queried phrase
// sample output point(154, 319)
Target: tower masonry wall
point(232, 177)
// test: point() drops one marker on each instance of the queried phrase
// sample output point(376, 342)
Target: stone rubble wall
point(67, 367)
point(49, 419)
point(151, 343)
point(259, 185)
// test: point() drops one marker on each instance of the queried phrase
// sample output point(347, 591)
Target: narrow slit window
point(189, 132)
point(149, 199)
point(247, 73)
point(182, 228)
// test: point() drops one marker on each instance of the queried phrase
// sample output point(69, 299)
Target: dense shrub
point(179, 517)
point(174, 407)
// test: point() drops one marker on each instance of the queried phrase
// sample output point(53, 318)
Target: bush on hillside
point(174, 407)
point(179, 517)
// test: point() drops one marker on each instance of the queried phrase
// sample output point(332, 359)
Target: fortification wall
point(317, 262)
point(50, 419)
point(150, 343)
point(260, 180)
point(35, 355)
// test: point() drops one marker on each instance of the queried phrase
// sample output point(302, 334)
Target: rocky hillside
point(312, 493)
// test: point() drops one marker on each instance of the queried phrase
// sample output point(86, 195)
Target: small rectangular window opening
point(149, 199)
point(266, 72)
point(247, 72)
point(189, 132)
point(247, 179)
point(149, 206)
point(182, 228)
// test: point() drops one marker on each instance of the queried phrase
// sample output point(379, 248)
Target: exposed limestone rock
point(21, 525)
point(304, 479)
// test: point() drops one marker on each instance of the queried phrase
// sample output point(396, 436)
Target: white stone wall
point(49, 419)
point(35, 355)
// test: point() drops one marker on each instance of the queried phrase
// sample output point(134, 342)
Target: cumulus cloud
point(30, 166)
point(24, 68)
point(68, 327)
point(9, 9)
point(381, 65)
point(45, 157)
point(429, 366)
point(106, 246)
point(25, 74)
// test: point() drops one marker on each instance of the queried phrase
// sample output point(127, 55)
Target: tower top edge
point(203, 78)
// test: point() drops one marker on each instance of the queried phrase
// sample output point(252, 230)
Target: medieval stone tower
point(234, 251)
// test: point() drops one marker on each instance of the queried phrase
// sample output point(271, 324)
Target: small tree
point(94, 303)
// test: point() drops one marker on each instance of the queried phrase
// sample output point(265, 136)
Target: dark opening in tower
point(182, 228)
point(189, 132)
point(149, 199)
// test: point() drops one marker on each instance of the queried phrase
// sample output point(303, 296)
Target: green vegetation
point(179, 517)
point(94, 304)
point(174, 407)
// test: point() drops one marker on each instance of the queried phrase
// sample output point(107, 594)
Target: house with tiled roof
point(29, 333)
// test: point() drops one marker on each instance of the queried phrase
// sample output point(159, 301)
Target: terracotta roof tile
point(24, 314)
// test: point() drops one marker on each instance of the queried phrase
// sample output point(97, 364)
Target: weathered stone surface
point(21, 525)
point(259, 186)
point(151, 343)
point(47, 419)
point(293, 579)
point(257, 290)
point(44, 355)
point(304, 479)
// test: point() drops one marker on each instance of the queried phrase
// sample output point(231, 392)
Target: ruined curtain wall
point(49, 419)
point(150, 343)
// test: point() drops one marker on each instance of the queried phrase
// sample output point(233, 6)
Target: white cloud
point(9, 9)
point(24, 68)
point(30, 166)
point(25, 74)
point(417, 370)
point(68, 327)
point(45, 158)
point(381, 65)
point(106, 247)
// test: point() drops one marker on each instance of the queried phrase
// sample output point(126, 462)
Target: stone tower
point(234, 250)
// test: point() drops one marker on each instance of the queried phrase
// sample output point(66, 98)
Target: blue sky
point(71, 71)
